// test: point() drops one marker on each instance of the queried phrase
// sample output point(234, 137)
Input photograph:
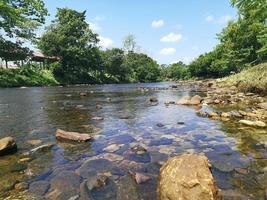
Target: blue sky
point(167, 30)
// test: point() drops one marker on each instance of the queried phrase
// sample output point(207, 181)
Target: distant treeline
point(70, 39)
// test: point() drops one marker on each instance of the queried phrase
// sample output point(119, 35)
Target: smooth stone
point(83, 94)
point(112, 148)
point(139, 177)
point(42, 148)
point(39, 187)
point(253, 123)
point(225, 115)
point(187, 177)
point(184, 101)
point(34, 142)
point(72, 136)
point(7, 146)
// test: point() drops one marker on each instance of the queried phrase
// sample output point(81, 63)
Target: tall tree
point(19, 18)
point(70, 38)
point(129, 43)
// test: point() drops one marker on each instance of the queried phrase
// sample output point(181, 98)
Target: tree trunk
point(6, 65)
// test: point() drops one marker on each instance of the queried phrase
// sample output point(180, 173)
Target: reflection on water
point(238, 154)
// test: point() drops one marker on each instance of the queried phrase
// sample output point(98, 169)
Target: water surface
point(237, 154)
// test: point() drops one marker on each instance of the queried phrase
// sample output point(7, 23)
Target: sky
point(167, 30)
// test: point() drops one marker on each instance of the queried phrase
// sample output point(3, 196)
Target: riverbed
point(130, 134)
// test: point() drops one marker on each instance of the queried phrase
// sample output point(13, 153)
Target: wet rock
point(213, 114)
point(160, 125)
point(225, 115)
point(235, 114)
point(83, 94)
point(24, 160)
point(7, 146)
point(180, 123)
point(21, 186)
point(195, 100)
point(42, 148)
point(139, 177)
point(202, 114)
point(127, 189)
point(142, 158)
point(112, 148)
point(34, 142)
point(138, 149)
point(84, 192)
point(96, 182)
point(128, 164)
point(253, 123)
point(64, 185)
point(187, 177)
point(72, 136)
point(153, 99)
point(184, 101)
point(39, 188)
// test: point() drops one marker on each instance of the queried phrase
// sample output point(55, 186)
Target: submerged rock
point(153, 99)
point(7, 146)
point(187, 177)
point(139, 177)
point(34, 142)
point(73, 136)
point(41, 148)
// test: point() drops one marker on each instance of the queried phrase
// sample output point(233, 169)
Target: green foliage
point(141, 68)
point(176, 71)
point(70, 38)
point(19, 18)
point(29, 75)
point(243, 43)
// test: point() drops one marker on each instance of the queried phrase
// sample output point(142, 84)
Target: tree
point(113, 60)
point(19, 18)
point(141, 68)
point(70, 38)
point(129, 43)
point(177, 71)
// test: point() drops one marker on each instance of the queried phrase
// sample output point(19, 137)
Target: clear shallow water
point(36, 113)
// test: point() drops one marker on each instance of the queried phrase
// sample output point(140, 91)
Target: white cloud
point(167, 51)
point(221, 20)
point(105, 42)
point(172, 37)
point(157, 23)
point(99, 18)
point(94, 26)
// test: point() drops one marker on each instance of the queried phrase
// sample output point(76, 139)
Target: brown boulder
point(7, 146)
point(187, 177)
point(195, 100)
point(73, 136)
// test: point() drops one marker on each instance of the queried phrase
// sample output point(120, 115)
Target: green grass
point(253, 79)
point(26, 76)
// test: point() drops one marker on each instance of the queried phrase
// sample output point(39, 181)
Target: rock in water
point(7, 146)
point(153, 99)
point(184, 101)
point(73, 136)
point(253, 123)
point(195, 100)
point(187, 177)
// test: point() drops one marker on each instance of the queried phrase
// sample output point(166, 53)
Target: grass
point(26, 76)
point(253, 79)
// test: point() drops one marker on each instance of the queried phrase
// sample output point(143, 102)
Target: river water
point(238, 154)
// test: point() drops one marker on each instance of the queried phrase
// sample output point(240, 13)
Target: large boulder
point(72, 136)
point(195, 100)
point(187, 177)
point(7, 146)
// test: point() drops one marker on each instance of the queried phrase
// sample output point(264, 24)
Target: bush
point(28, 75)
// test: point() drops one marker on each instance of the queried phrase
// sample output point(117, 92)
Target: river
point(31, 115)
